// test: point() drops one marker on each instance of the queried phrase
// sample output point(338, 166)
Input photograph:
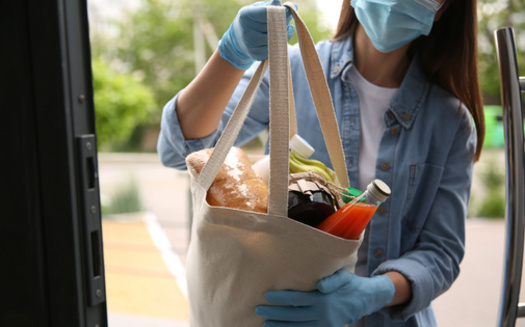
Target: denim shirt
point(425, 156)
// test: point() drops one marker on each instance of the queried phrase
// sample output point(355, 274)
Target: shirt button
point(381, 210)
point(406, 116)
point(336, 69)
point(394, 130)
point(390, 115)
point(385, 166)
point(378, 253)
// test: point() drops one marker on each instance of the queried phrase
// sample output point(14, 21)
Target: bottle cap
point(301, 146)
point(379, 190)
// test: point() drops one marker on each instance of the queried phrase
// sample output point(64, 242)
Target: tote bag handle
point(321, 96)
point(279, 111)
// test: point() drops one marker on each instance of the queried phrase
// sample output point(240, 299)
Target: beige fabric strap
point(279, 111)
point(279, 117)
point(293, 119)
point(232, 129)
point(321, 96)
point(282, 113)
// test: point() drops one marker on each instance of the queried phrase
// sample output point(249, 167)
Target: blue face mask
point(391, 24)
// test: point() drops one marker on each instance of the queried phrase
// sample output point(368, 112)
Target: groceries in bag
point(310, 198)
point(236, 185)
point(300, 152)
point(350, 221)
point(299, 164)
point(311, 208)
point(351, 193)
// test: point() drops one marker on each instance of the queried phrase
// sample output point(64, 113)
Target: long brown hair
point(448, 55)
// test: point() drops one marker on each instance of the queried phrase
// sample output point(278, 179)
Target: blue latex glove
point(246, 40)
point(340, 299)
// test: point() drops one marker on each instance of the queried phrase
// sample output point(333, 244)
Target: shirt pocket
point(423, 183)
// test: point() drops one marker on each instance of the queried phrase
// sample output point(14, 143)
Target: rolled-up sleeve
point(172, 147)
point(433, 265)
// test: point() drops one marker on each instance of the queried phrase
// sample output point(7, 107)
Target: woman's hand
point(340, 299)
point(246, 40)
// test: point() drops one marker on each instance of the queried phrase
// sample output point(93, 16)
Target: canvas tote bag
point(235, 256)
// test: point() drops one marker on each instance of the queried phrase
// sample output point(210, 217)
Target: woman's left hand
point(340, 299)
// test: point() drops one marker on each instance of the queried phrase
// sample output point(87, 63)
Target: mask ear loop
point(431, 4)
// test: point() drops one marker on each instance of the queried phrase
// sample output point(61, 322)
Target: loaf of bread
point(236, 185)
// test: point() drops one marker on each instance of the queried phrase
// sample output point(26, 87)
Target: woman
point(403, 77)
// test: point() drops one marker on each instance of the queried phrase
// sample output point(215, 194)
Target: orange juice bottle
point(350, 221)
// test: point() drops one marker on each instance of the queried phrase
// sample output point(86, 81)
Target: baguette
point(236, 185)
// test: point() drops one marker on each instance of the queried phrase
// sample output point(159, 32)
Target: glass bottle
point(350, 221)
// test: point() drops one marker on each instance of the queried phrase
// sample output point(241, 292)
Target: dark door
point(51, 258)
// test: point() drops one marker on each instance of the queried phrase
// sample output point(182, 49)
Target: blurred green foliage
point(121, 104)
point(493, 203)
point(155, 45)
point(157, 41)
point(494, 14)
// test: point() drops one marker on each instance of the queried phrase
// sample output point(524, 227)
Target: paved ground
point(144, 253)
point(144, 278)
point(158, 299)
point(473, 300)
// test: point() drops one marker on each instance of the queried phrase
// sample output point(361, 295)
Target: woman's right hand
point(246, 40)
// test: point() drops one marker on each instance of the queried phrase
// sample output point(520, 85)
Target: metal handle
point(511, 87)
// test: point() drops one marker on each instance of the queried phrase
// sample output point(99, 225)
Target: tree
point(494, 14)
point(156, 42)
point(121, 104)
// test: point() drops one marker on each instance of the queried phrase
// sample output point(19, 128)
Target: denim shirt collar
point(407, 101)
point(342, 57)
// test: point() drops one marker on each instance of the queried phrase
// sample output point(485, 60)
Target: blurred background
point(143, 53)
